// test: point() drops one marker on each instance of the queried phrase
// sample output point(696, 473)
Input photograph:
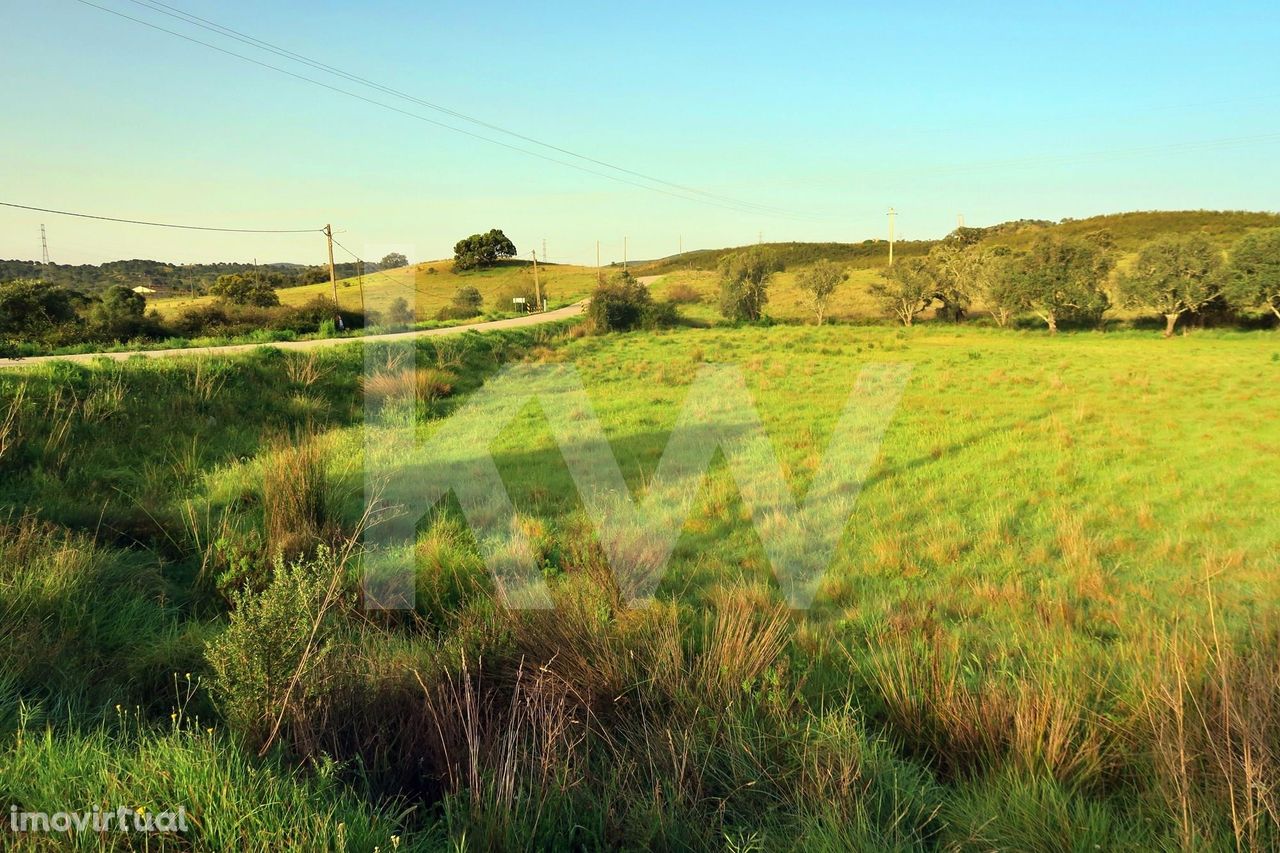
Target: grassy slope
point(1052, 510)
point(429, 291)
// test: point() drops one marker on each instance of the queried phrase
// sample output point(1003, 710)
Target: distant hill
point(1129, 230)
point(158, 275)
point(867, 254)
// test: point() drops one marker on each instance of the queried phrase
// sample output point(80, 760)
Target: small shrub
point(271, 665)
point(683, 294)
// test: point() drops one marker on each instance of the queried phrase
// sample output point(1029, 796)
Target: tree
point(1062, 279)
point(1253, 279)
point(1174, 275)
point(399, 313)
point(246, 289)
point(482, 250)
point(908, 288)
point(818, 284)
point(29, 307)
point(119, 313)
point(393, 260)
point(998, 281)
point(744, 282)
point(953, 263)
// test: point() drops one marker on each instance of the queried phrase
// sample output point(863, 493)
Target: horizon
point(446, 258)
point(837, 115)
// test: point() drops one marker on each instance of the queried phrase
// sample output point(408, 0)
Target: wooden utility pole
point(680, 245)
point(537, 291)
point(599, 271)
point(360, 273)
point(893, 214)
point(333, 276)
point(624, 253)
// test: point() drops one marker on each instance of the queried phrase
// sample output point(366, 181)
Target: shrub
point(467, 302)
point(744, 283)
point(271, 665)
point(620, 304)
point(522, 287)
point(682, 293)
point(399, 313)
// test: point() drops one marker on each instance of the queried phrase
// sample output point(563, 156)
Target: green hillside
point(1130, 231)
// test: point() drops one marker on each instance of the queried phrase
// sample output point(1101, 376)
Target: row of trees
point(1062, 279)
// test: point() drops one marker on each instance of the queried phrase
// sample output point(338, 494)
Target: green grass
point(1050, 624)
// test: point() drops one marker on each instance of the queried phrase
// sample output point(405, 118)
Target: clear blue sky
point(833, 110)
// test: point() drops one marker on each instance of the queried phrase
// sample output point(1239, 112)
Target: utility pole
point(360, 280)
point(333, 277)
point(599, 271)
point(624, 253)
point(893, 215)
point(44, 245)
point(544, 250)
point(537, 290)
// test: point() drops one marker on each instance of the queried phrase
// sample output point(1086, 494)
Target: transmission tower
point(44, 252)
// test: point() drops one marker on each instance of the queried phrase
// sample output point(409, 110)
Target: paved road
point(510, 323)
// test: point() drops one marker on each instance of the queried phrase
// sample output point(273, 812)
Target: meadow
point(1050, 623)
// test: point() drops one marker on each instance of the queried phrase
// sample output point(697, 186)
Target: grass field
point(1050, 624)
point(429, 286)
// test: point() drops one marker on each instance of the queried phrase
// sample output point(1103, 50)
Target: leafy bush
point(270, 665)
point(466, 302)
point(744, 283)
point(622, 303)
point(522, 287)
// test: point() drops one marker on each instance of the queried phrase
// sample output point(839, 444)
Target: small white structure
point(142, 288)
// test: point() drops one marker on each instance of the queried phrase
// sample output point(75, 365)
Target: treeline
point(165, 277)
point(36, 316)
point(1075, 280)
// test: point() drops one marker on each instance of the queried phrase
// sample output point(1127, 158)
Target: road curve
point(565, 313)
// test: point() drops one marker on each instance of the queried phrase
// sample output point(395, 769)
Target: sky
point(788, 121)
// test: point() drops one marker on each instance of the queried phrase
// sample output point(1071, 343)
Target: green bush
point(622, 303)
point(270, 665)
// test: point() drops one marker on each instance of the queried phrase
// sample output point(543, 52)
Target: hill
point(865, 255)
point(158, 275)
point(1130, 231)
point(430, 286)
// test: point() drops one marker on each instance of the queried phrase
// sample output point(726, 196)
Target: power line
point(245, 38)
point(360, 260)
point(162, 224)
point(683, 193)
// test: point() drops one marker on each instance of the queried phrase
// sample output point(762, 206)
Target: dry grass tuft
point(423, 384)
